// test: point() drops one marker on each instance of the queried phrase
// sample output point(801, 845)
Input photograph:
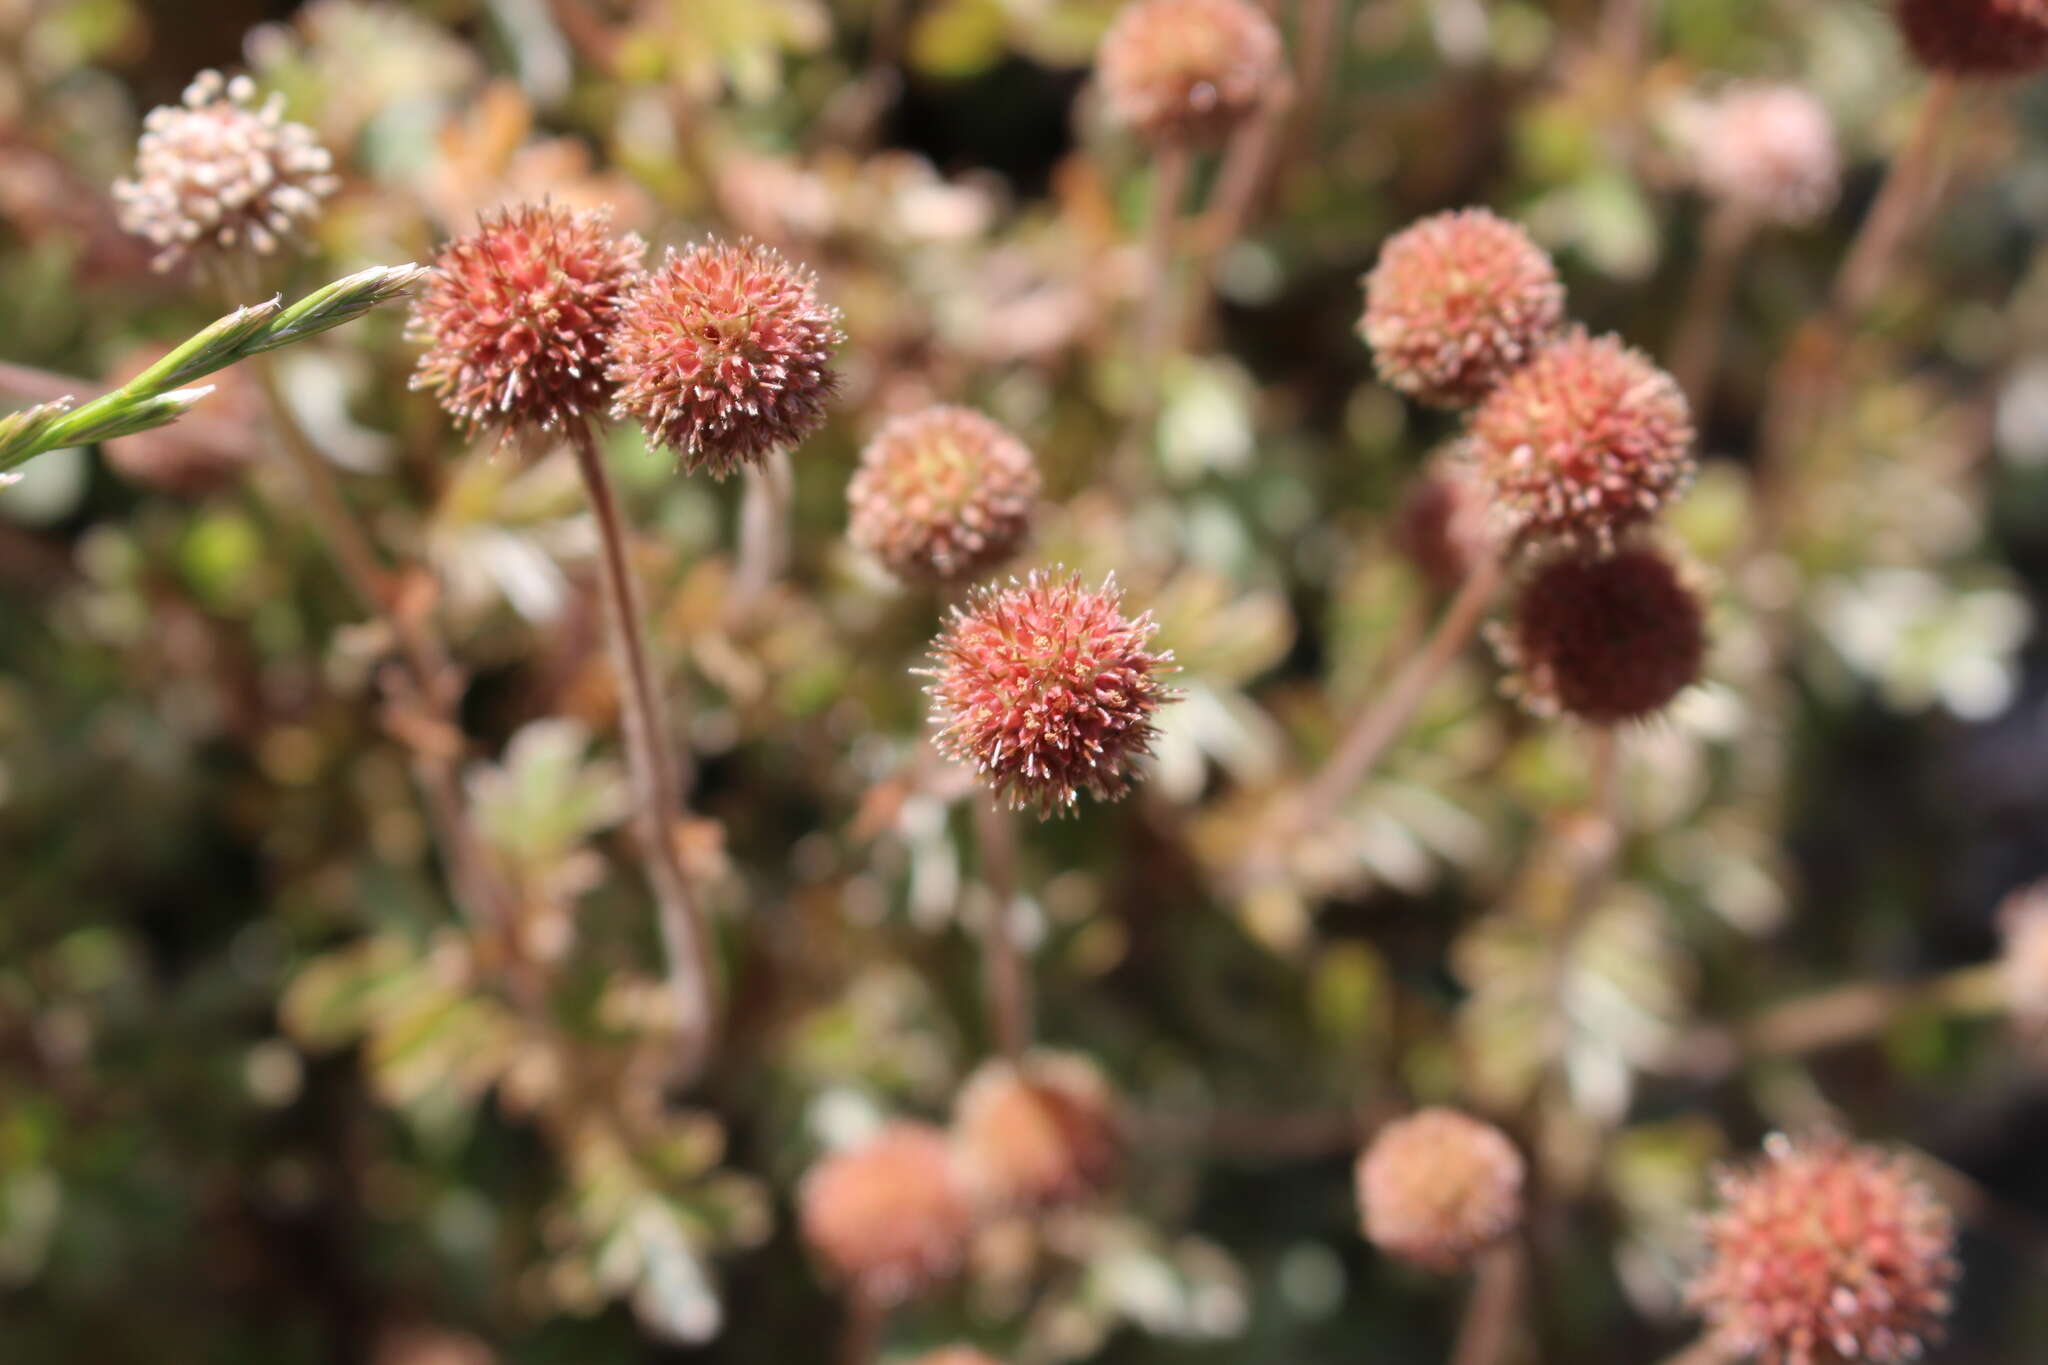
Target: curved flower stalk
point(163, 393)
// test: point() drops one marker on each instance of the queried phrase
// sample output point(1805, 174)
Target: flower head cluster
point(1770, 151)
point(1585, 440)
point(1607, 638)
point(1188, 71)
point(517, 316)
point(724, 354)
point(890, 1217)
point(942, 494)
point(1048, 689)
point(1456, 302)
point(1987, 39)
point(1036, 1134)
point(1438, 1186)
point(220, 172)
point(1826, 1253)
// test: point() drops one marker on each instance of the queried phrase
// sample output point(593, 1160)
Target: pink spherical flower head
point(724, 355)
point(517, 316)
point(1038, 1133)
point(1442, 525)
point(1826, 1253)
point(1770, 151)
point(1456, 302)
point(890, 1217)
point(1188, 71)
point(1984, 39)
point(942, 494)
point(1587, 439)
point(1439, 1187)
point(1608, 638)
point(1047, 688)
point(219, 172)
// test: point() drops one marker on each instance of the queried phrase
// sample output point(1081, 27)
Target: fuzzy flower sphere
point(1047, 688)
point(891, 1217)
point(1988, 39)
point(1606, 638)
point(1456, 302)
point(724, 355)
point(1442, 526)
point(1037, 1134)
point(1188, 71)
point(1438, 1187)
point(1770, 151)
point(1585, 440)
point(220, 172)
point(517, 315)
point(1826, 1253)
point(941, 494)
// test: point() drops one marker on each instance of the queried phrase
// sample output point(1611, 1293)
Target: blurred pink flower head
point(1826, 1253)
point(1188, 70)
point(218, 172)
point(1437, 1187)
point(1769, 150)
point(1456, 302)
point(889, 1217)
point(942, 494)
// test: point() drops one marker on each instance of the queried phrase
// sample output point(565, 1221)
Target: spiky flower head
point(1188, 71)
point(2023, 922)
point(1986, 39)
point(219, 172)
point(1608, 638)
point(1047, 688)
point(1443, 524)
point(942, 494)
point(1438, 1187)
point(1587, 439)
point(724, 354)
point(1037, 1133)
point(1826, 1252)
point(1769, 150)
point(891, 1217)
point(1456, 301)
point(517, 315)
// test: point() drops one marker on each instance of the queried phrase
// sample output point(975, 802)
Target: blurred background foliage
point(257, 1098)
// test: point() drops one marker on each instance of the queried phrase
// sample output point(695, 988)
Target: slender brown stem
point(1807, 377)
point(1696, 345)
point(1006, 974)
point(860, 1334)
point(429, 687)
point(764, 532)
point(1900, 205)
point(1496, 1302)
point(1172, 167)
point(325, 504)
point(1383, 722)
point(685, 931)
